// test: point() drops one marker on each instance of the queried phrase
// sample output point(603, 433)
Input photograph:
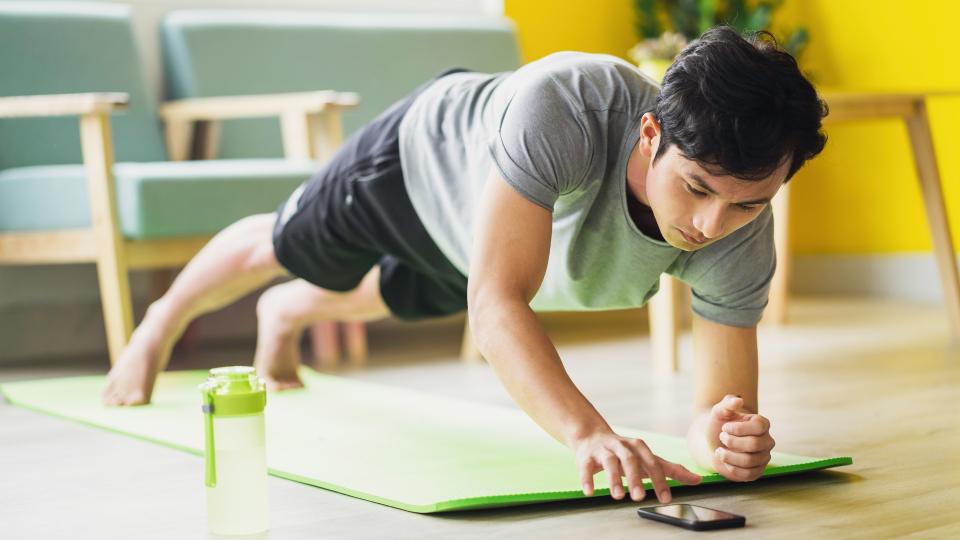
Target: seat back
point(382, 57)
point(70, 47)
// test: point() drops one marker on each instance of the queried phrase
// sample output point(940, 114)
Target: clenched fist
point(745, 441)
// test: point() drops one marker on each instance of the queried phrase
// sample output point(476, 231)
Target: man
point(569, 184)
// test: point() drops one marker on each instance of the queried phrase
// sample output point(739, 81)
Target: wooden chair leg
point(179, 138)
point(326, 345)
point(664, 311)
point(776, 311)
point(112, 274)
point(469, 353)
point(117, 306)
point(355, 338)
point(925, 160)
point(684, 306)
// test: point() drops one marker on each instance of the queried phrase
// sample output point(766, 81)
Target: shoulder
point(594, 80)
point(567, 64)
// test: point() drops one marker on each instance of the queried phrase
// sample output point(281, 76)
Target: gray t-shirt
point(560, 131)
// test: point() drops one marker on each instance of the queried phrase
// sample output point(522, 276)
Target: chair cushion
point(154, 200)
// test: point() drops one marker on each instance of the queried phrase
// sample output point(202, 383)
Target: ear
point(649, 135)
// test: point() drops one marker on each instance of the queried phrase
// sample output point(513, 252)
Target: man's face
point(694, 208)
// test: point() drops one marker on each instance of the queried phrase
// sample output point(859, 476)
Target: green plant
point(690, 18)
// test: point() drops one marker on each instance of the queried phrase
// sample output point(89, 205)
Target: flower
point(665, 47)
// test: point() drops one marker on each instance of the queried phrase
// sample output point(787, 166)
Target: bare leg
point(236, 261)
point(285, 310)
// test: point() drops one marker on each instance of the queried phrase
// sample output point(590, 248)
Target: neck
point(637, 204)
point(637, 165)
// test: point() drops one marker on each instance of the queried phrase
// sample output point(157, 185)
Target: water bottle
point(236, 462)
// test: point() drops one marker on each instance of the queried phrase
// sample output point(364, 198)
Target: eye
point(695, 192)
point(749, 207)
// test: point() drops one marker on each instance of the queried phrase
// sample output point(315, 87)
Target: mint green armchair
point(114, 192)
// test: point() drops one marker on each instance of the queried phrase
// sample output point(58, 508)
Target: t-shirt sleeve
point(542, 145)
point(730, 280)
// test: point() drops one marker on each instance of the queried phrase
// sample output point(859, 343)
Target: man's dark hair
point(739, 106)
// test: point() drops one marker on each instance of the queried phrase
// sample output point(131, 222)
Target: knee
point(291, 306)
point(263, 258)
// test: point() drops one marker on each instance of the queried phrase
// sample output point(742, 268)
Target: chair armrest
point(222, 108)
point(62, 104)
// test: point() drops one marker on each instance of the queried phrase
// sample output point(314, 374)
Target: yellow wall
point(860, 195)
point(599, 26)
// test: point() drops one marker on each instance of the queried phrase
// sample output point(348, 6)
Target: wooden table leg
point(776, 312)
point(355, 338)
point(925, 160)
point(469, 352)
point(665, 323)
point(326, 345)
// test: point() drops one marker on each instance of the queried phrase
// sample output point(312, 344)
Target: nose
point(709, 221)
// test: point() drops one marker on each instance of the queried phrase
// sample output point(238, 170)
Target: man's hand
point(745, 441)
point(622, 456)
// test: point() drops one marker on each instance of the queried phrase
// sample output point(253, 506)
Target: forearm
point(513, 341)
point(726, 363)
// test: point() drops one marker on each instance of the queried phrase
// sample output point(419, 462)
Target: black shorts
point(355, 213)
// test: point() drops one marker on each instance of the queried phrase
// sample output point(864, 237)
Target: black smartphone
point(690, 516)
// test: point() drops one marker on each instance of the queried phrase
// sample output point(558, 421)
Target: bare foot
point(131, 380)
point(276, 361)
point(278, 350)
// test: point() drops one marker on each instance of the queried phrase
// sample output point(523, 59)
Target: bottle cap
point(235, 391)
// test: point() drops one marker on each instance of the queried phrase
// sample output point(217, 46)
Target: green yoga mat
point(388, 445)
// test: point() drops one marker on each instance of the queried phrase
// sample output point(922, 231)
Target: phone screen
point(692, 516)
point(689, 512)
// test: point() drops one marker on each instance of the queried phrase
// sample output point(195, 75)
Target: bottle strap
point(211, 459)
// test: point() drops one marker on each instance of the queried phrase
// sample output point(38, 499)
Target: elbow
point(477, 315)
point(489, 311)
point(492, 309)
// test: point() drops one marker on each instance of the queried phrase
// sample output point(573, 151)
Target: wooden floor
point(876, 381)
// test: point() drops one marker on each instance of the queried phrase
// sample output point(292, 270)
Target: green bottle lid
point(235, 391)
point(229, 391)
